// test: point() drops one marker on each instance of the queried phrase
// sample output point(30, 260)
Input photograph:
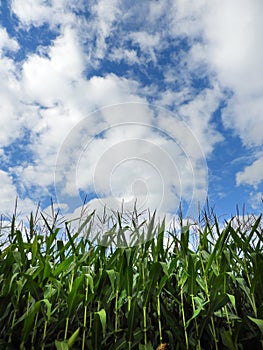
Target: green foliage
point(59, 290)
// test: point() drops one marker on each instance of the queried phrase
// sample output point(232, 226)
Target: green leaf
point(34, 249)
point(102, 317)
point(220, 301)
point(60, 246)
point(227, 340)
point(192, 274)
point(73, 338)
point(84, 224)
point(258, 322)
point(160, 238)
point(67, 344)
point(151, 285)
point(111, 274)
point(223, 236)
point(35, 290)
point(148, 346)
point(63, 266)
point(73, 295)
point(196, 312)
point(48, 305)
point(89, 280)
point(243, 285)
point(71, 240)
point(150, 228)
point(232, 300)
point(131, 318)
point(61, 345)
point(216, 304)
point(21, 247)
point(29, 320)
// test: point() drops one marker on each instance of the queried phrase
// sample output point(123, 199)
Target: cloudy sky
point(115, 101)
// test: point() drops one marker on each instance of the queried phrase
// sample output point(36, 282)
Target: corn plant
point(60, 289)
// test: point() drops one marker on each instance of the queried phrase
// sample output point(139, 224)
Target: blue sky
point(155, 101)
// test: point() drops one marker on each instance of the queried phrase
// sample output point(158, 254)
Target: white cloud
point(138, 156)
point(157, 9)
point(38, 12)
point(231, 50)
point(185, 18)
point(198, 114)
point(105, 13)
point(170, 98)
point(8, 195)
point(129, 56)
point(147, 42)
point(234, 46)
point(60, 100)
point(56, 124)
point(196, 110)
point(7, 43)
point(233, 30)
point(48, 80)
point(31, 11)
point(244, 114)
point(252, 174)
point(256, 200)
point(12, 111)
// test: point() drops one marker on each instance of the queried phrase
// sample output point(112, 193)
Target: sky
point(116, 102)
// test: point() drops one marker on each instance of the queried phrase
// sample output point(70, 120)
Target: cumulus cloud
point(233, 49)
point(49, 80)
point(129, 56)
point(244, 114)
point(185, 18)
point(83, 132)
point(256, 200)
point(233, 31)
point(105, 14)
point(234, 35)
point(135, 157)
point(7, 43)
point(198, 113)
point(147, 43)
point(52, 84)
point(38, 12)
point(8, 195)
point(252, 174)
point(11, 109)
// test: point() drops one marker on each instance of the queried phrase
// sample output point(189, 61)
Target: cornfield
point(195, 287)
